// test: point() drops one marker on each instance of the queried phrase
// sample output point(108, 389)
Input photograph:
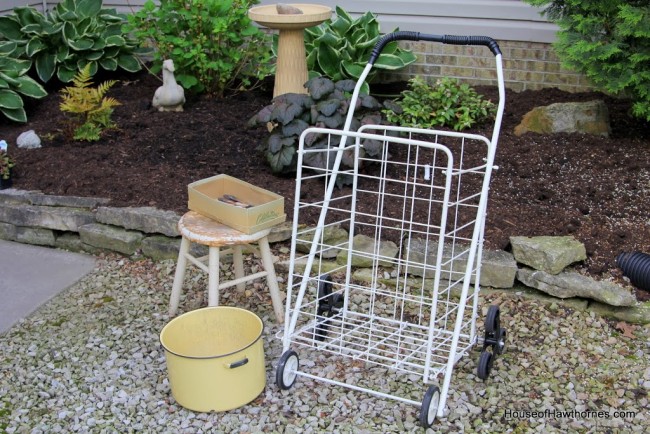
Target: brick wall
point(526, 65)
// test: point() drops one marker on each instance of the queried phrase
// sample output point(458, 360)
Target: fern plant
point(91, 109)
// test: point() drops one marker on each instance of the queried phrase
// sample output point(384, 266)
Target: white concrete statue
point(169, 97)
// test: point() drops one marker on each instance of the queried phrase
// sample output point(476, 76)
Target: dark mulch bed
point(593, 188)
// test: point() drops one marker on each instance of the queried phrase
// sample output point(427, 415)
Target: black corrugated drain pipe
point(635, 266)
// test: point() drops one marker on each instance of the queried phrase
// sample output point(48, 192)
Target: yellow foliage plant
point(91, 110)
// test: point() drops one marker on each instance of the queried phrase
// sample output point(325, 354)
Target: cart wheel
point(320, 331)
point(492, 320)
point(328, 305)
point(324, 288)
point(324, 308)
point(500, 346)
point(286, 372)
point(429, 407)
point(485, 364)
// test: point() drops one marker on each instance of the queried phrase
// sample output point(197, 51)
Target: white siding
point(125, 6)
point(7, 6)
point(511, 20)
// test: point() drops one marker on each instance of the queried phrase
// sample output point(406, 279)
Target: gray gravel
point(90, 361)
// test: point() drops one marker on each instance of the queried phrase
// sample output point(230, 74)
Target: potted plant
point(6, 164)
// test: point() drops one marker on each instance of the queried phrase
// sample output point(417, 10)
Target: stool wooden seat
point(195, 228)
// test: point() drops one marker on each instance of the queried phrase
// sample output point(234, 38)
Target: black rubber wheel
point(485, 364)
point(324, 310)
point(429, 407)
point(500, 346)
point(324, 288)
point(493, 320)
point(320, 331)
point(329, 305)
point(286, 371)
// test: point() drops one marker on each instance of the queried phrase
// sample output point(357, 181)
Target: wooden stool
point(196, 228)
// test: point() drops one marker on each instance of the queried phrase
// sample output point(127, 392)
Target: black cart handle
point(445, 39)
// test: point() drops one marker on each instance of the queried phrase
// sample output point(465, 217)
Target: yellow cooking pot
point(215, 358)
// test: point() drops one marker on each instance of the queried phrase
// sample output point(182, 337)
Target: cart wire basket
point(422, 244)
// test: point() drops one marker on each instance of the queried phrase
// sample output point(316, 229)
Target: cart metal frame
point(412, 317)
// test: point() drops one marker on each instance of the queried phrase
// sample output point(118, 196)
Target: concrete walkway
point(31, 275)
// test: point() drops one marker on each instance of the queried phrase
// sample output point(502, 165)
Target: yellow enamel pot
point(215, 358)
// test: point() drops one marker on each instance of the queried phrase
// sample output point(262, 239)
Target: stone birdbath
point(291, 68)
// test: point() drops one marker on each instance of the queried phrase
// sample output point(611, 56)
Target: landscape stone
point(28, 140)
point(413, 284)
point(301, 263)
point(332, 236)
point(69, 241)
point(66, 201)
point(519, 290)
point(37, 236)
point(37, 198)
point(281, 232)
point(548, 253)
point(639, 314)
point(498, 269)
point(111, 238)
point(572, 117)
point(49, 217)
point(569, 284)
point(145, 219)
point(14, 196)
point(364, 251)
point(7, 231)
point(159, 247)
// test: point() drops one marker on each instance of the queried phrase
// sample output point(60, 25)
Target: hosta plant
point(89, 106)
point(340, 48)
point(14, 84)
point(325, 106)
point(447, 103)
point(214, 45)
point(74, 34)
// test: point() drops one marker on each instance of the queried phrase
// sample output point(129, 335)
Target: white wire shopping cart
point(429, 193)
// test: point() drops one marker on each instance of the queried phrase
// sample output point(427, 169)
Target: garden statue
point(169, 97)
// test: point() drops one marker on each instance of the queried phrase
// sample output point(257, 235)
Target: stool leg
point(238, 260)
point(271, 278)
point(179, 276)
point(213, 276)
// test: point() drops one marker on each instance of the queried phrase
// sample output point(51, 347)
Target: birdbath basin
point(291, 68)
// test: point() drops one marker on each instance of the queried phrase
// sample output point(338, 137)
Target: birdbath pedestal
point(291, 67)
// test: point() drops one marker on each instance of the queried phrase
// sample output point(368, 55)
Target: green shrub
point(75, 34)
point(91, 110)
point(325, 106)
point(340, 49)
point(447, 103)
point(608, 41)
point(213, 43)
point(14, 82)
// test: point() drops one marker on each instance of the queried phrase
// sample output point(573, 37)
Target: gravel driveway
point(90, 361)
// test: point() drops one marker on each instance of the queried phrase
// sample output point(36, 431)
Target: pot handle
point(237, 364)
